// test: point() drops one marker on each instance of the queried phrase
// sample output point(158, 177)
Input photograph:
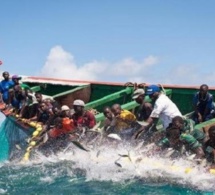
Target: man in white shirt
point(164, 109)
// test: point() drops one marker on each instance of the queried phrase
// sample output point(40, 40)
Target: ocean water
point(104, 170)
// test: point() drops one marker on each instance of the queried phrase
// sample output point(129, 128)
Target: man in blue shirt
point(203, 105)
point(5, 84)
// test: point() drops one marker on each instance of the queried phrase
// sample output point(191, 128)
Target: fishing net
point(13, 139)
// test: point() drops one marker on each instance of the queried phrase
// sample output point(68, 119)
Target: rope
point(33, 141)
point(142, 85)
point(129, 84)
point(163, 90)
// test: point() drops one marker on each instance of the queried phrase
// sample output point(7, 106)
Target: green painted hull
point(106, 94)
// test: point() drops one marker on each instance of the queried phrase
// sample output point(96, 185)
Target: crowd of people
point(62, 122)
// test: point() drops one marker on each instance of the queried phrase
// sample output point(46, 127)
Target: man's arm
point(92, 120)
point(208, 107)
point(199, 153)
point(195, 107)
point(193, 144)
point(151, 122)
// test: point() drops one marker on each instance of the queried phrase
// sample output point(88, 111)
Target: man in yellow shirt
point(124, 119)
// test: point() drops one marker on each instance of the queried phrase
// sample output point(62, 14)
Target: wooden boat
point(96, 95)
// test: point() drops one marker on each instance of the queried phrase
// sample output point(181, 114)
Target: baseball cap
point(137, 93)
point(16, 77)
point(64, 108)
point(152, 89)
point(78, 103)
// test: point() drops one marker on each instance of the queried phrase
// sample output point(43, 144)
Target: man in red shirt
point(81, 117)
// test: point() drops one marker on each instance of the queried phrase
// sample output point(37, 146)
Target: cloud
point(183, 74)
point(186, 75)
point(130, 67)
point(61, 64)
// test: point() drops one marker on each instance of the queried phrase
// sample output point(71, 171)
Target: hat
point(137, 93)
point(78, 103)
point(16, 77)
point(152, 89)
point(64, 108)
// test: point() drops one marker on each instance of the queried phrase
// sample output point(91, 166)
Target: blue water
point(60, 178)
point(79, 173)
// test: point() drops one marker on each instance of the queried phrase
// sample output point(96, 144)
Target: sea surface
point(104, 170)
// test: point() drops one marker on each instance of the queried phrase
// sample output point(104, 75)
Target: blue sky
point(150, 41)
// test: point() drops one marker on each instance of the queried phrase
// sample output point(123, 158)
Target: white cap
point(78, 103)
point(137, 93)
point(64, 108)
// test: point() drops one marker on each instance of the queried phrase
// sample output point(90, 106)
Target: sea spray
point(75, 166)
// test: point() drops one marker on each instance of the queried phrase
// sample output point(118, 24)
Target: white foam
point(47, 179)
point(2, 191)
point(108, 163)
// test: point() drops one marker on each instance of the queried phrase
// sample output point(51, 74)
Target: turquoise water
point(60, 178)
point(78, 173)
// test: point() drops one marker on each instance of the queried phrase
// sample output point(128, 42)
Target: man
point(44, 113)
point(39, 97)
point(182, 143)
point(81, 117)
point(65, 111)
point(18, 98)
point(209, 146)
point(56, 114)
point(164, 109)
point(35, 109)
point(16, 79)
point(145, 107)
point(187, 126)
point(108, 120)
point(62, 126)
point(58, 136)
point(203, 105)
point(124, 123)
point(30, 108)
point(4, 87)
point(123, 118)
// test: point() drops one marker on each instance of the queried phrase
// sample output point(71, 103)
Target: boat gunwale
point(65, 81)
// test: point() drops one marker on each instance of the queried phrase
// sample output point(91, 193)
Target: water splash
point(118, 164)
